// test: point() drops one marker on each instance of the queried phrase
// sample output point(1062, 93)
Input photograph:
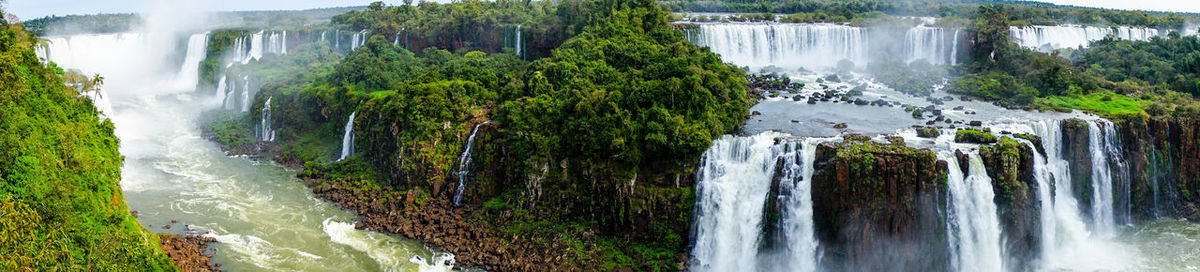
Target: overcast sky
point(30, 9)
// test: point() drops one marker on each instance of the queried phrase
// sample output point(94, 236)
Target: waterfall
point(811, 46)
point(348, 138)
point(283, 43)
point(801, 250)
point(733, 183)
point(1049, 38)
point(954, 48)
point(931, 44)
point(1110, 178)
point(464, 164)
point(265, 133)
point(189, 71)
point(1066, 241)
point(358, 40)
point(337, 39)
point(245, 93)
point(396, 41)
point(820, 46)
point(220, 93)
point(256, 46)
point(518, 43)
point(972, 222)
point(323, 35)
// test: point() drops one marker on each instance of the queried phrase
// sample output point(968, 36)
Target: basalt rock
point(879, 207)
point(1163, 155)
point(1010, 166)
point(1079, 159)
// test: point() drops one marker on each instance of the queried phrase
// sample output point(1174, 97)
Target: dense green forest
point(1110, 77)
point(613, 90)
point(76, 24)
point(61, 208)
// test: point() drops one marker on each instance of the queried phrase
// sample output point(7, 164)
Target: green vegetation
point(974, 136)
point(1112, 78)
point(76, 24)
point(61, 208)
point(1103, 103)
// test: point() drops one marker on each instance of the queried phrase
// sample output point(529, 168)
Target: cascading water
point(973, 223)
point(464, 164)
point(189, 71)
point(800, 250)
point(1102, 189)
point(348, 138)
point(262, 215)
point(1066, 241)
point(256, 47)
point(265, 133)
point(220, 93)
point(1049, 38)
point(933, 44)
point(358, 40)
point(812, 46)
point(733, 182)
point(518, 48)
point(245, 94)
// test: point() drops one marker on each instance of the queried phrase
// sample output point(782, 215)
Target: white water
point(1102, 189)
point(220, 93)
point(246, 94)
point(518, 48)
point(464, 164)
point(265, 132)
point(973, 225)
point(819, 46)
point(348, 137)
point(933, 44)
point(811, 46)
point(800, 247)
point(1048, 38)
point(189, 71)
point(263, 217)
point(732, 186)
point(358, 40)
point(1067, 244)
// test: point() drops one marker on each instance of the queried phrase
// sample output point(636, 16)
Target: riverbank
point(189, 252)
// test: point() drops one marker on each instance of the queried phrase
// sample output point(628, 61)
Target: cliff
point(880, 207)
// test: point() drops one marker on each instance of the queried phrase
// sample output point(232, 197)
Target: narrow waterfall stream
point(348, 137)
point(464, 164)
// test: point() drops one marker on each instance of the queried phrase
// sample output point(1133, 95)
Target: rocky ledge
point(189, 252)
point(878, 206)
point(475, 237)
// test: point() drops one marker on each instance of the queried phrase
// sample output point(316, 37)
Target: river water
point(263, 217)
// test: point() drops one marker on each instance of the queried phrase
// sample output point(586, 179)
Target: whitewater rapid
point(263, 217)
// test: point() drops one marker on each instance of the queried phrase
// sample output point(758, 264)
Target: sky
point(30, 9)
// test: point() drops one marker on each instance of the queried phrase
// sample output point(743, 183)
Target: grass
point(1101, 103)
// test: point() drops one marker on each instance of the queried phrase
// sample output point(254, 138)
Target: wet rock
point(894, 201)
point(928, 132)
point(797, 98)
point(188, 252)
point(976, 123)
point(948, 98)
point(958, 108)
point(840, 125)
point(755, 113)
point(795, 121)
point(812, 100)
point(860, 102)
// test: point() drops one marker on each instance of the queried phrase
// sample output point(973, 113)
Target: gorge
point(615, 135)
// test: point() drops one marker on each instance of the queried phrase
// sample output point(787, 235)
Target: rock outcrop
point(879, 207)
point(1010, 166)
